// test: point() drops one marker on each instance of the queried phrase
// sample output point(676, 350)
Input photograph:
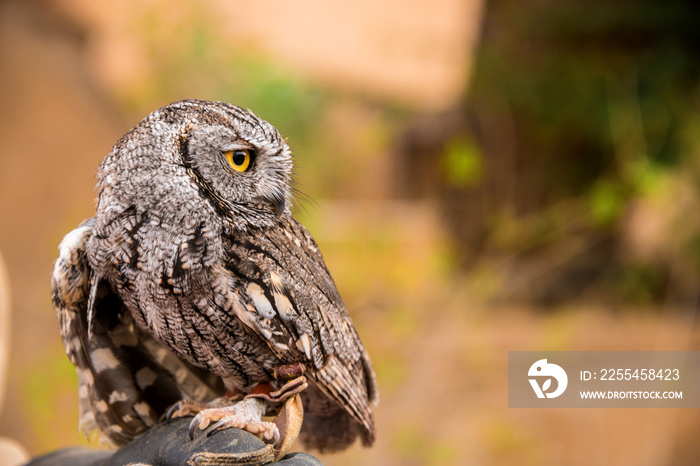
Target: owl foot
point(246, 415)
point(234, 410)
point(190, 408)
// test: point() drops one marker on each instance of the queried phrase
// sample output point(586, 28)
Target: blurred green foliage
point(597, 102)
point(462, 162)
point(192, 59)
point(593, 86)
point(50, 386)
point(606, 202)
point(416, 445)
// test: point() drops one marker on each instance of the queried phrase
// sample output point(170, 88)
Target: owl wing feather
point(289, 299)
point(126, 379)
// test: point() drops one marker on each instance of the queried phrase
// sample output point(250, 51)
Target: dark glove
point(169, 444)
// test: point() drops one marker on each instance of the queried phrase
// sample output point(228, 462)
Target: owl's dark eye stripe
point(205, 189)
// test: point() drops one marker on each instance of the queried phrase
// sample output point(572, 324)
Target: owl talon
point(170, 413)
point(188, 408)
point(201, 421)
point(213, 428)
point(193, 425)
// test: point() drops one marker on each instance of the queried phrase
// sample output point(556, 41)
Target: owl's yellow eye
point(239, 159)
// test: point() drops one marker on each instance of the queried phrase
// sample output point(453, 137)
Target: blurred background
point(482, 176)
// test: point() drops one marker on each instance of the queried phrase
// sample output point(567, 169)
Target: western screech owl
point(193, 280)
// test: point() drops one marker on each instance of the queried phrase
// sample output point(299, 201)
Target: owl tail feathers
point(333, 431)
point(351, 390)
point(328, 427)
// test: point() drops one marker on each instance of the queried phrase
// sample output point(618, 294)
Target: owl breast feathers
point(193, 278)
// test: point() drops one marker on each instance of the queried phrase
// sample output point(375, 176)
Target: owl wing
point(290, 300)
point(126, 379)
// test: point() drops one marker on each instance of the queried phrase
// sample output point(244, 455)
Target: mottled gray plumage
point(193, 278)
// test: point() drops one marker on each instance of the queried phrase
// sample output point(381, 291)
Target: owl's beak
point(279, 205)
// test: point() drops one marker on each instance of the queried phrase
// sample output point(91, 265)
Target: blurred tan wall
point(414, 52)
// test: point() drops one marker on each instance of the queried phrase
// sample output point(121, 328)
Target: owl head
point(212, 150)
